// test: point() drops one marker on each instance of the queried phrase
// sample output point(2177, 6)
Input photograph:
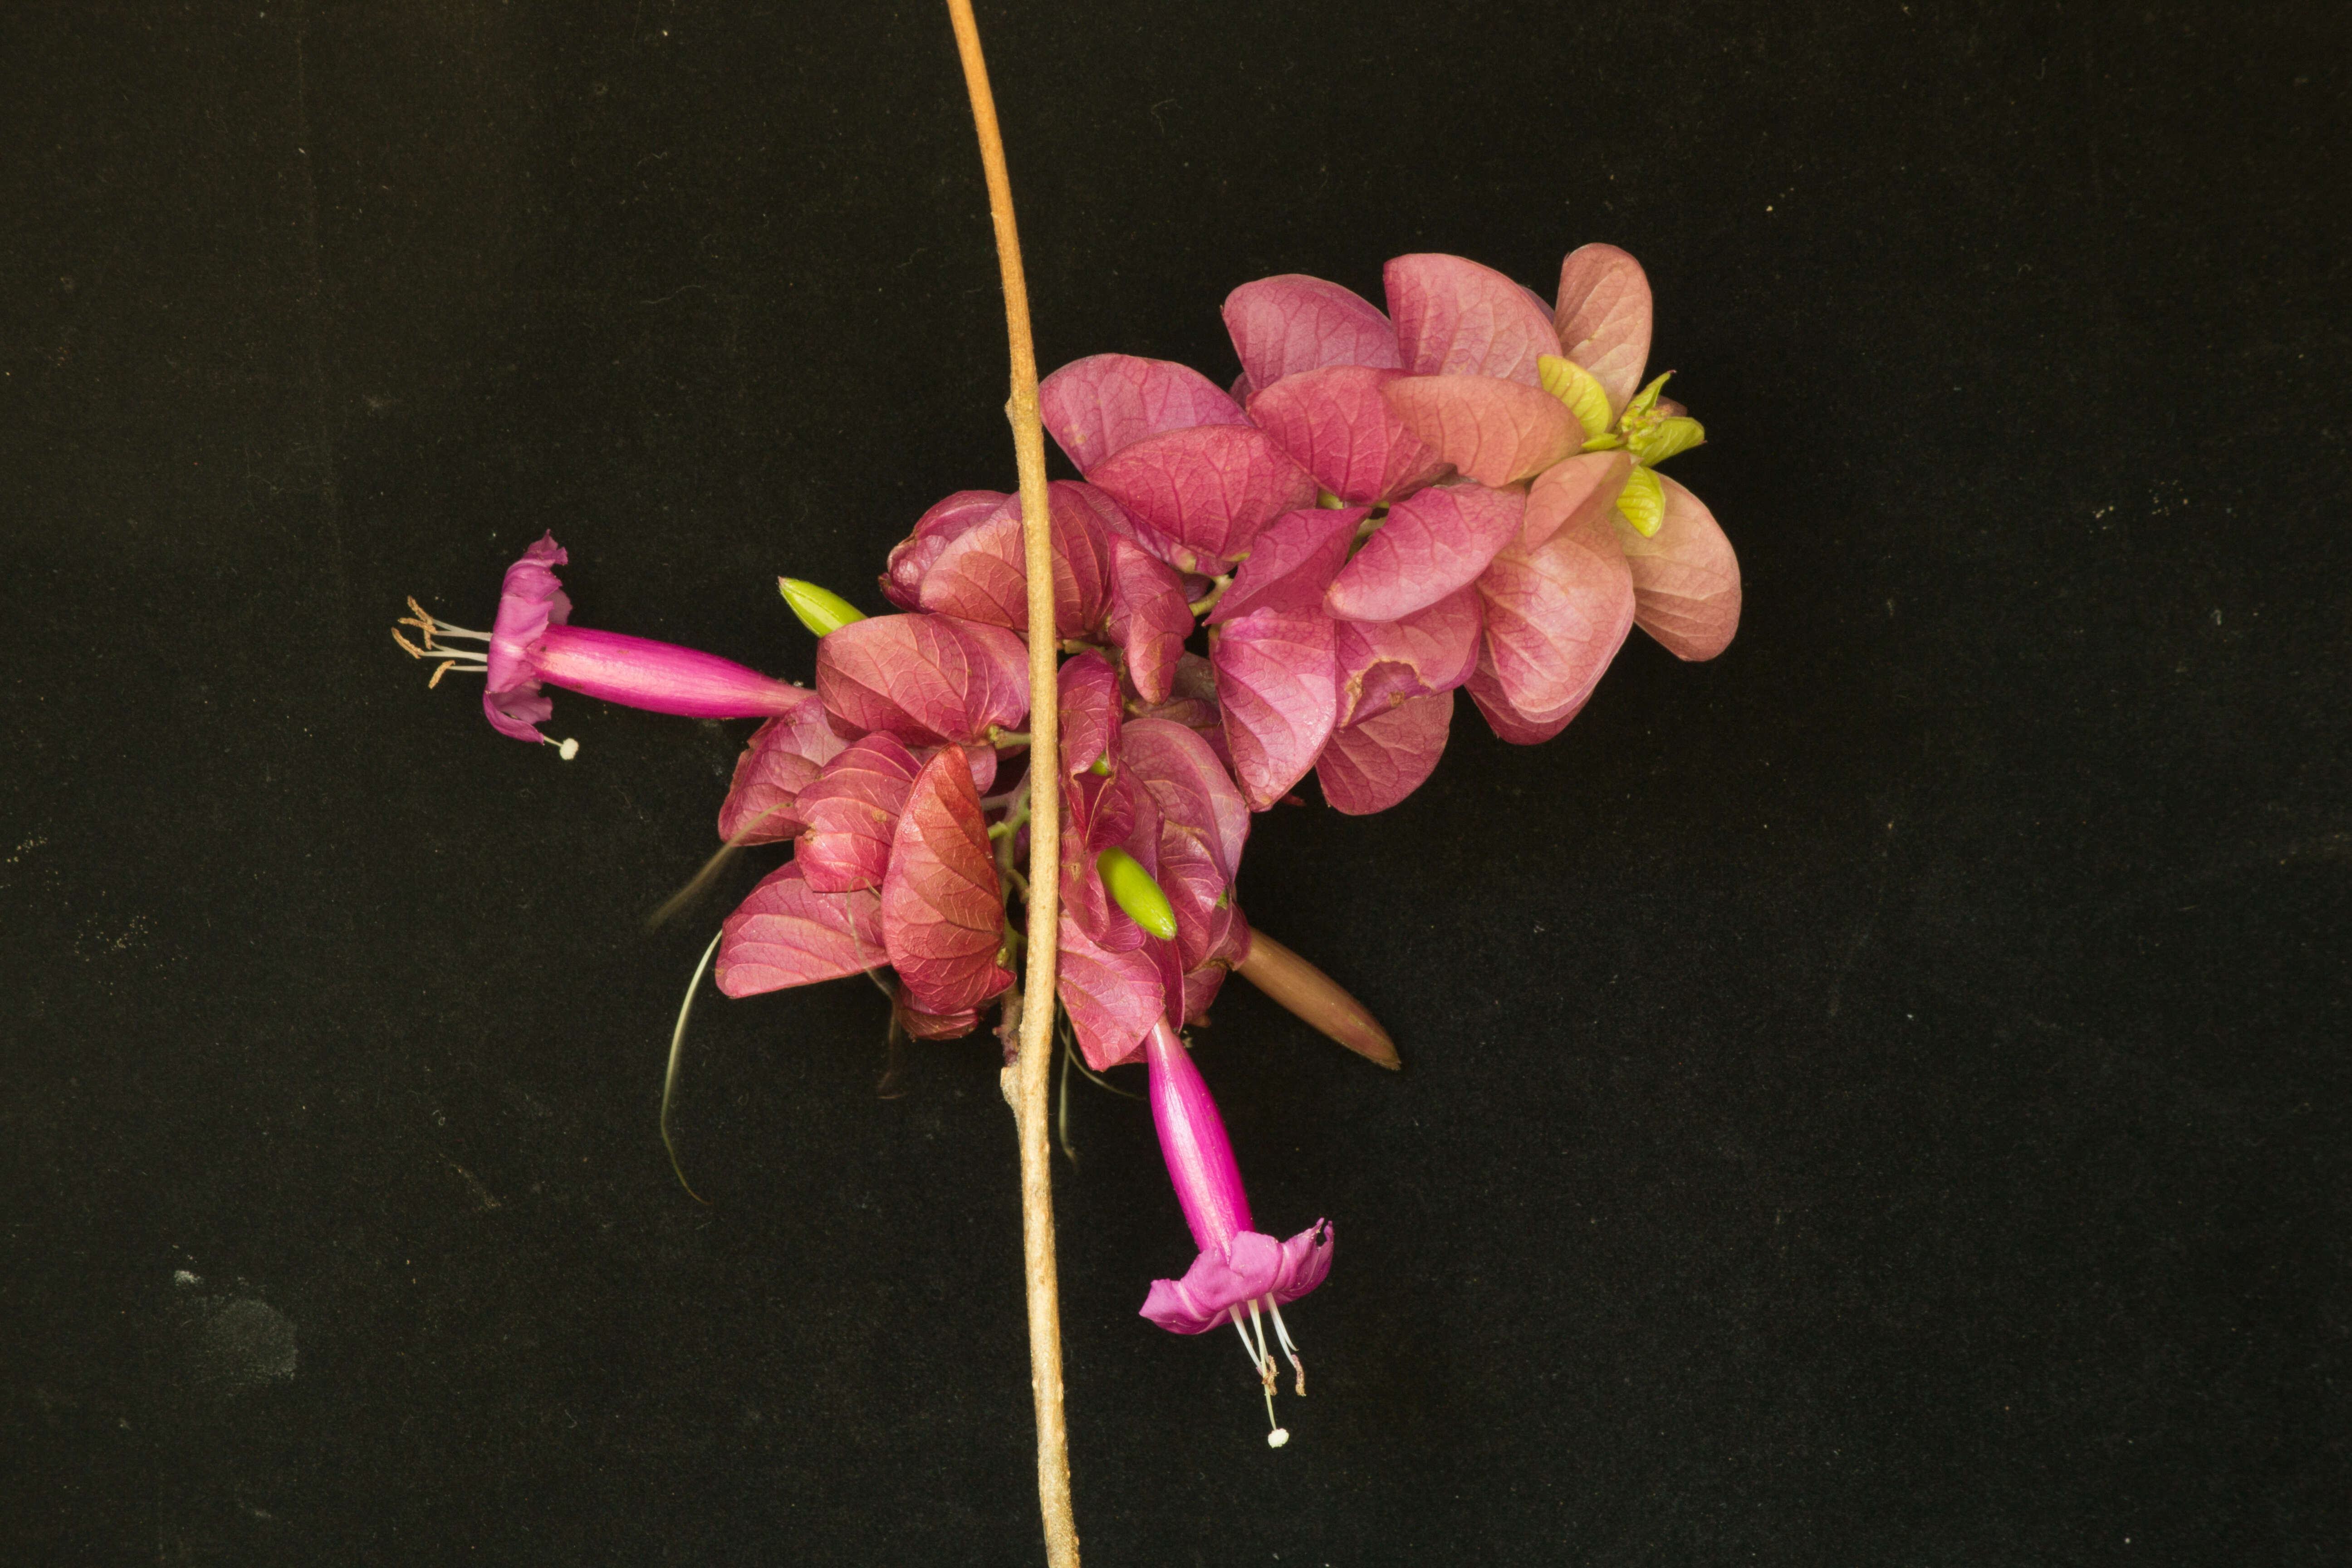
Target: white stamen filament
point(1282, 1332)
point(1262, 1365)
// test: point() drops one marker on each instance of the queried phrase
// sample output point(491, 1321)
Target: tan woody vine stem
point(1027, 1079)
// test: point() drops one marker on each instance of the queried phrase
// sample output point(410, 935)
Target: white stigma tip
point(1276, 1438)
point(569, 750)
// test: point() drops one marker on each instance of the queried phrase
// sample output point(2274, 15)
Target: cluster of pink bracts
point(1385, 509)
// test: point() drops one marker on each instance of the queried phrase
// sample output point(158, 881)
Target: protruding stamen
point(568, 749)
point(472, 661)
point(1282, 1332)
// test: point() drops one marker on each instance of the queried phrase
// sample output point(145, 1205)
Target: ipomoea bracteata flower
point(1240, 1269)
point(528, 645)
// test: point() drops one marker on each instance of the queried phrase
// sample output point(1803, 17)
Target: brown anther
point(417, 617)
point(414, 651)
point(438, 672)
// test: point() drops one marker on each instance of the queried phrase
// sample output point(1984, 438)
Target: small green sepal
point(1575, 385)
point(1644, 502)
point(1647, 398)
point(1134, 891)
point(1656, 443)
point(820, 609)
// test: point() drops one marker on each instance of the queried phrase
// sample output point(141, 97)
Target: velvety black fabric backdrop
point(1878, 1098)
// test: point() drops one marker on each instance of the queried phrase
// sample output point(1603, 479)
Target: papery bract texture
point(852, 812)
point(984, 576)
point(1113, 998)
point(1284, 325)
point(1189, 788)
point(782, 758)
point(1603, 317)
point(1685, 577)
point(1577, 491)
point(1341, 429)
point(1372, 764)
point(937, 529)
point(1149, 617)
point(1292, 562)
point(786, 934)
point(1497, 432)
point(1089, 708)
point(942, 912)
point(1203, 494)
point(1382, 663)
point(924, 679)
point(1555, 616)
point(1432, 544)
point(1454, 317)
point(1099, 405)
point(1276, 683)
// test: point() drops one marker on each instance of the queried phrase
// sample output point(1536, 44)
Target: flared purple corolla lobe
point(530, 644)
point(529, 601)
point(1254, 1267)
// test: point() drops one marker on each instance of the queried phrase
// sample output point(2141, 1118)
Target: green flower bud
point(820, 609)
point(1132, 887)
point(1655, 443)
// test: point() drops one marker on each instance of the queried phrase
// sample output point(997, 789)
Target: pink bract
point(783, 757)
point(1556, 616)
point(1603, 317)
point(942, 911)
point(1497, 432)
point(1098, 406)
point(1439, 541)
point(1454, 317)
point(1203, 494)
point(1286, 325)
point(852, 810)
point(786, 934)
point(1340, 427)
point(1375, 763)
point(1685, 578)
point(924, 679)
point(1276, 684)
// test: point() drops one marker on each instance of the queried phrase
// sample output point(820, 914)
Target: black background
point(1879, 1097)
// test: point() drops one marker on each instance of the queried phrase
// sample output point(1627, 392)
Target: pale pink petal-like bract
point(1454, 317)
point(1097, 406)
point(1335, 422)
point(1372, 764)
point(1685, 578)
point(942, 912)
point(1434, 542)
point(1276, 684)
point(785, 934)
point(1602, 317)
point(1281, 326)
point(1497, 432)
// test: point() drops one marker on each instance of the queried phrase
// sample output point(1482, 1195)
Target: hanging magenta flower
point(1239, 1268)
point(530, 644)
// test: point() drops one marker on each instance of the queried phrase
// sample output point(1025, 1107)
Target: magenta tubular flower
point(530, 644)
point(1240, 1269)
